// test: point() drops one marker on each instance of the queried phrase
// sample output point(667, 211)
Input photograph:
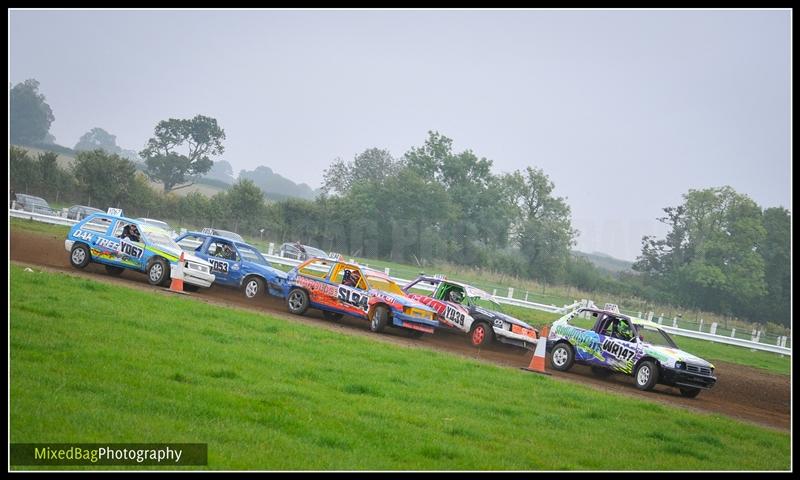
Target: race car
point(235, 264)
point(339, 288)
point(107, 239)
point(617, 343)
point(473, 311)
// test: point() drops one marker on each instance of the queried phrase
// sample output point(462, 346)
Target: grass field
point(93, 362)
point(772, 362)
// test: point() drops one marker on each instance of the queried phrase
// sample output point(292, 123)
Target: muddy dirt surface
point(745, 393)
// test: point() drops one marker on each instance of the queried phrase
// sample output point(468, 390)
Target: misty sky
point(624, 110)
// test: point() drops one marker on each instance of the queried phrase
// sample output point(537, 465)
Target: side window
point(317, 268)
point(99, 225)
point(223, 250)
point(191, 243)
point(348, 275)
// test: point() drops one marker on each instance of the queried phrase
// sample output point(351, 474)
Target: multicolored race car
point(471, 310)
point(102, 238)
point(611, 342)
point(340, 288)
point(235, 264)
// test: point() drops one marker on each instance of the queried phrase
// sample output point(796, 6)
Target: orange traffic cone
point(538, 360)
point(177, 277)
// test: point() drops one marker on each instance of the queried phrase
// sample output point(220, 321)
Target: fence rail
point(753, 344)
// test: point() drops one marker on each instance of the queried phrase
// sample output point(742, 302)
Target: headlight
point(680, 365)
point(416, 312)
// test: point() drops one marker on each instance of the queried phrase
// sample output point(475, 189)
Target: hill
point(605, 262)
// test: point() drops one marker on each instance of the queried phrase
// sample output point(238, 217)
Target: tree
point(246, 202)
point(776, 252)
point(199, 137)
point(25, 175)
point(30, 115)
point(709, 258)
point(98, 138)
point(107, 179)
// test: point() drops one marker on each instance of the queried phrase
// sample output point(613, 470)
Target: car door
point(220, 266)
point(352, 299)
point(618, 351)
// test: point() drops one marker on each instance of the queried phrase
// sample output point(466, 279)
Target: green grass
point(39, 227)
point(93, 362)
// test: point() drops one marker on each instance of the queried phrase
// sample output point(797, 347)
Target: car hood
point(495, 314)
point(671, 355)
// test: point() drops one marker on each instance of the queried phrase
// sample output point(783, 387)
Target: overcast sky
point(624, 110)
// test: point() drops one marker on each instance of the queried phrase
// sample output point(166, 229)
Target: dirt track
point(741, 392)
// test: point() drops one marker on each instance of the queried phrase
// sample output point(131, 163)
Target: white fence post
point(675, 322)
point(494, 292)
point(714, 328)
point(526, 296)
point(649, 316)
point(783, 341)
point(639, 314)
point(733, 333)
point(271, 248)
point(386, 270)
point(753, 336)
point(700, 328)
point(510, 292)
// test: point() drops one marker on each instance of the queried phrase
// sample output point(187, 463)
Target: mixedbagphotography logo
point(162, 454)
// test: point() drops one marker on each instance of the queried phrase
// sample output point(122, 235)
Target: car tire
point(562, 357)
point(80, 256)
point(332, 316)
point(379, 320)
point(297, 301)
point(690, 392)
point(601, 372)
point(252, 287)
point(115, 271)
point(481, 334)
point(646, 375)
point(158, 272)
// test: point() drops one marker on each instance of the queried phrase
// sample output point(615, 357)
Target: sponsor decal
point(454, 316)
point(523, 331)
point(83, 235)
point(387, 298)
point(109, 244)
point(618, 350)
point(218, 266)
point(131, 250)
point(316, 286)
point(353, 297)
point(498, 323)
point(585, 340)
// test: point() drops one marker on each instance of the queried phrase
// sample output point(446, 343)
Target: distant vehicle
point(472, 311)
point(617, 344)
point(102, 238)
point(79, 212)
point(223, 233)
point(340, 288)
point(301, 252)
point(30, 203)
point(235, 264)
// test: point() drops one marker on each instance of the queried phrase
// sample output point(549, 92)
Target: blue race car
point(235, 264)
point(122, 243)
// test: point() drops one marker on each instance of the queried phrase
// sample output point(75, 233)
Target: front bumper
point(200, 279)
point(414, 323)
point(68, 244)
point(682, 378)
point(512, 338)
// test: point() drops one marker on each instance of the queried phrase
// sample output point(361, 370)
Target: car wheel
point(482, 334)
point(602, 372)
point(115, 271)
point(79, 256)
point(562, 357)
point(158, 272)
point(646, 375)
point(690, 392)
point(297, 301)
point(332, 316)
point(253, 286)
point(380, 318)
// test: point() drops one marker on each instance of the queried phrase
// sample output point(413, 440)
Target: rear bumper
point(200, 279)
point(682, 378)
point(414, 323)
point(511, 338)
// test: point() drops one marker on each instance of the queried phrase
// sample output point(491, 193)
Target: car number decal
point(219, 266)
point(454, 316)
point(352, 297)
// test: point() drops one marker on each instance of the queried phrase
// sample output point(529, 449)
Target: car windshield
point(314, 252)
point(384, 285)
point(484, 303)
point(155, 223)
point(655, 336)
point(161, 240)
point(250, 254)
